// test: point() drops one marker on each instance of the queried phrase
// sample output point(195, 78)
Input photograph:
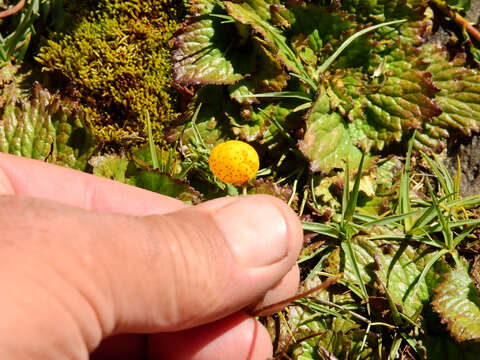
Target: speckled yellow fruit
point(234, 162)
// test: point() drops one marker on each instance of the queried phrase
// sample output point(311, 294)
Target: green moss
point(117, 57)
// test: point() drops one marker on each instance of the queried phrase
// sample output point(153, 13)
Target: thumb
point(113, 273)
point(202, 263)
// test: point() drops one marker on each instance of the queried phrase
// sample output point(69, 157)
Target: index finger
point(72, 187)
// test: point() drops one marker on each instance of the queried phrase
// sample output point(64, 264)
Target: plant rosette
point(234, 162)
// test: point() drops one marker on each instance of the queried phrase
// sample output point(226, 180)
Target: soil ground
point(467, 149)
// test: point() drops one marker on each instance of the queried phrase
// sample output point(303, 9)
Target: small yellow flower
point(234, 162)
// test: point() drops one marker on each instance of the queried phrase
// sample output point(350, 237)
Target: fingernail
point(5, 185)
point(255, 229)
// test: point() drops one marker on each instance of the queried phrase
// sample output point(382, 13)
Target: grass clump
point(116, 55)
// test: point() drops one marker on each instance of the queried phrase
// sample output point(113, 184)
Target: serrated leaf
point(415, 32)
point(201, 53)
point(457, 301)
point(383, 10)
point(327, 143)
point(401, 100)
point(199, 7)
point(256, 13)
point(263, 186)
point(269, 77)
point(459, 96)
point(46, 129)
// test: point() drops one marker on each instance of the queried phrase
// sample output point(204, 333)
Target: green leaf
point(398, 267)
point(386, 107)
point(46, 128)
point(110, 166)
point(202, 53)
point(163, 183)
point(347, 345)
point(458, 98)
point(327, 143)
point(415, 32)
point(270, 77)
point(457, 301)
point(256, 13)
point(351, 259)
point(352, 38)
point(211, 123)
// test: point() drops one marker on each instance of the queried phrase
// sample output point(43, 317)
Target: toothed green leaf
point(46, 129)
point(327, 143)
point(383, 110)
point(202, 52)
point(457, 301)
point(256, 14)
point(459, 97)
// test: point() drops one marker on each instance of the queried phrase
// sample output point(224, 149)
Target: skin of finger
point(286, 288)
point(51, 174)
point(131, 347)
point(238, 337)
point(107, 274)
point(5, 185)
point(71, 187)
point(211, 284)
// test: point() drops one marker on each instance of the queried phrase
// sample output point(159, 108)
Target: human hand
point(84, 259)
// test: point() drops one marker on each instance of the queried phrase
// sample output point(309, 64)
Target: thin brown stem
point(13, 9)
point(457, 18)
point(270, 308)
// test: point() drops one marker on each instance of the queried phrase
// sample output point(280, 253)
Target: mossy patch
point(116, 55)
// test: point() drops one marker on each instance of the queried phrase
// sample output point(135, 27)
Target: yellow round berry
point(234, 162)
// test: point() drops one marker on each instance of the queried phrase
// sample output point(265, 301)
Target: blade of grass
point(353, 198)
point(458, 175)
point(151, 144)
point(322, 229)
point(428, 216)
point(280, 94)
point(447, 233)
point(424, 272)
point(313, 254)
point(346, 190)
point(459, 238)
point(404, 191)
point(403, 237)
point(319, 266)
point(350, 255)
point(347, 42)
point(364, 341)
point(452, 225)
point(397, 341)
point(444, 180)
point(352, 287)
point(392, 219)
